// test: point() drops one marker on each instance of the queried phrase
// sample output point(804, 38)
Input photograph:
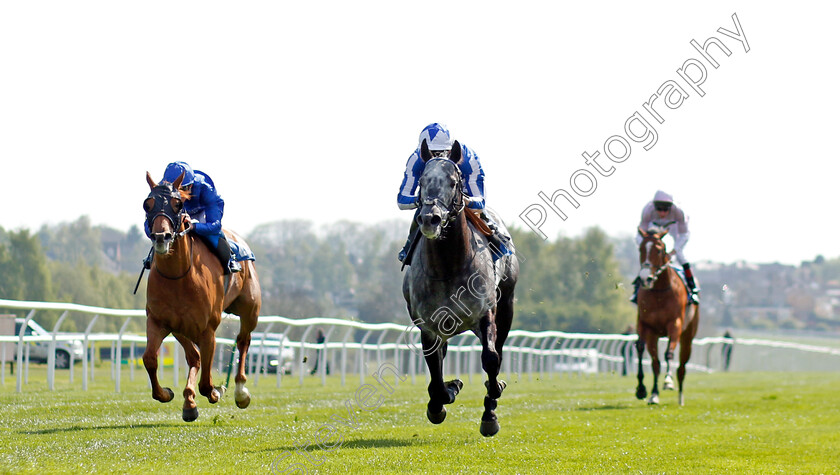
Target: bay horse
point(453, 286)
point(663, 310)
point(186, 294)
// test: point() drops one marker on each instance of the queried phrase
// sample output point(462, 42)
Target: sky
point(309, 110)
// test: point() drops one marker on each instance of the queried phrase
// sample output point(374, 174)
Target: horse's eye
point(177, 205)
point(148, 205)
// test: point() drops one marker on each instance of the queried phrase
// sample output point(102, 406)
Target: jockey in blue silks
point(440, 143)
point(205, 208)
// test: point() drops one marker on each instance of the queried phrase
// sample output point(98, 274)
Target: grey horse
point(453, 286)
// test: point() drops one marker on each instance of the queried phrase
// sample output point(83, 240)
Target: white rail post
point(412, 356)
point(23, 327)
point(544, 358)
point(132, 362)
point(302, 343)
point(118, 354)
point(379, 348)
point(280, 362)
point(262, 360)
point(51, 353)
point(361, 357)
point(323, 357)
point(347, 335)
point(176, 352)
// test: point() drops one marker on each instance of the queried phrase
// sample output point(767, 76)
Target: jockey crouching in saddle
point(663, 213)
point(205, 208)
point(440, 144)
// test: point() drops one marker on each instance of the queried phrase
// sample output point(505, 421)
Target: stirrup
point(234, 266)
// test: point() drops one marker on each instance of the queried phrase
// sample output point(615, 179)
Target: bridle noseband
point(164, 195)
point(451, 211)
point(650, 281)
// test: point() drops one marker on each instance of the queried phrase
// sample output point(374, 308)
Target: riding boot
point(636, 284)
point(497, 240)
point(226, 257)
point(412, 229)
point(694, 296)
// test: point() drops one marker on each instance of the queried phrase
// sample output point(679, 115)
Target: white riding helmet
point(663, 197)
point(437, 137)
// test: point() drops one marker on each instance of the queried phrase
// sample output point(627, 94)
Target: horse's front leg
point(652, 346)
point(207, 346)
point(641, 390)
point(440, 393)
point(154, 337)
point(190, 411)
point(491, 362)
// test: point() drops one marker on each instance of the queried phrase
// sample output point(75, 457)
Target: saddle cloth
point(681, 273)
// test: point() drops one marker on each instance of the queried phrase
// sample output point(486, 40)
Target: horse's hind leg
point(491, 362)
point(674, 330)
point(154, 338)
point(685, 352)
point(207, 345)
point(247, 324)
point(190, 411)
point(440, 393)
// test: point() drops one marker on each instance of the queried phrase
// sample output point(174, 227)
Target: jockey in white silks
point(662, 212)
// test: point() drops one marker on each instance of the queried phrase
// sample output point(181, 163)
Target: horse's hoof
point(190, 415)
point(682, 400)
point(668, 384)
point(654, 399)
point(489, 428)
point(214, 396)
point(243, 398)
point(436, 418)
point(641, 392)
point(168, 393)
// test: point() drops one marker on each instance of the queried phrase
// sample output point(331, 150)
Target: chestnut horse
point(186, 294)
point(662, 310)
point(452, 284)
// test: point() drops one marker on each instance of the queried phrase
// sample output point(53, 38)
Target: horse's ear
point(455, 154)
point(149, 180)
point(425, 154)
point(642, 232)
point(178, 181)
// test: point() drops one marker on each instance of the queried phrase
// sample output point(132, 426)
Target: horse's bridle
point(451, 211)
point(164, 195)
point(650, 280)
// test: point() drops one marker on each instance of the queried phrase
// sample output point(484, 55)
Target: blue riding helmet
point(174, 170)
point(437, 137)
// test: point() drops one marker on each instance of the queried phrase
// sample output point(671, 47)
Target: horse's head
point(441, 191)
point(165, 215)
point(653, 256)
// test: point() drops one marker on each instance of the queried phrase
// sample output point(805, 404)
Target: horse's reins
point(653, 277)
point(651, 280)
point(166, 213)
point(451, 212)
point(183, 233)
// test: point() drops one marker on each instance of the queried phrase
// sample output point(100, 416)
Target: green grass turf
point(731, 423)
